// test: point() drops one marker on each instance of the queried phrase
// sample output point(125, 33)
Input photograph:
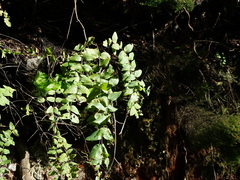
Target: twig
point(69, 28)
point(189, 25)
point(10, 38)
point(115, 142)
point(76, 14)
point(124, 123)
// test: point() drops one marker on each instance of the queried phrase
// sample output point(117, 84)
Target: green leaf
point(128, 91)
point(114, 96)
point(131, 56)
point(6, 151)
point(104, 59)
point(107, 134)
point(105, 87)
point(115, 46)
point(71, 90)
point(11, 126)
point(4, 101)
point(66, 116)
point(101, 120)
point(86, 68)
point(58, 99)
point(113, 81)
point(63, 158)
point(49, 110)
point(5, 162)
point(74, 118)
point(86, 80)
point(90, 54)
point(133, 111)
point(105, 43)
point(53, 86)
point(128, 48)
point(83, 90)
point(15, 132)
point(114, 37)
point(106, 162)
point(134, 97)
point(126, 67)
point(75, 57)
point(138, 73)
point(123, 58)
point(131, 77)
point(133, 65)
point(65, 107)
point(71, 98)
point(79, 47)
point(132, 84)
point(94, 92)
point(111, 108)
point(41, 99)
point(51, 99)
point(7, 91)
point(95, 103)
point(56, 111)
point(95, 136)
point(74, 109)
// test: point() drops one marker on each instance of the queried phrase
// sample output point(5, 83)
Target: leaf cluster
point(87, 89)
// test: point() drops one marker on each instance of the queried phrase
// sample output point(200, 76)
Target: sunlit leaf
point(128, 91)
point(95, 136)
point(86, 68)
point(104, 59)
point(114, 37)
point(133, 65)
point(74, 109)
point(128, 48)
point(101, 120)
point(11, 126)
point(74, 118)
point(115, 46)
point(131, 77)
point(86, 80)
point(41, 99)
point(138, 73)
point(3, 100)
point(114, 96)
point(96, 152)
point(75, 57)
point(51, 99)
point(114, 81)
point(90, 54)
point(49, 110)
point(105, 86)
point(107, 134)
point(63, 158)
point(79, 47)
point(112, 108)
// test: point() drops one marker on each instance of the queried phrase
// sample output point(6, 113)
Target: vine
point(89, 89)
point(6, 136)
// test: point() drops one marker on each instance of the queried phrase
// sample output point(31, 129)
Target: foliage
point(86, 91)
point(61, 157)
point(6, 17)
point(175, 5)
point(6, 138)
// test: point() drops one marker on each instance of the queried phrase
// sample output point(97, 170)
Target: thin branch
point(76, 14)
point(69, 28)
point(124, 123)
point(115, 141)
point(189, 18)
point(10, 38)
